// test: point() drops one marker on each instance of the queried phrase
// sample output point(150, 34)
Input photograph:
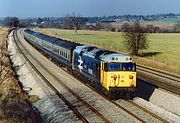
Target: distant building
point(91, 27)
point(35, 23)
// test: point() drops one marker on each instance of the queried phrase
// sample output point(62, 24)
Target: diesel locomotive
point(114, 72)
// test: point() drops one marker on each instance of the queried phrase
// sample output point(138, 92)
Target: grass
point(170, 20)
point(163, 48)
point(33, 98)
point(103, 38)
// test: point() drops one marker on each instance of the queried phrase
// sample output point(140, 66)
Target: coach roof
point(65, 44)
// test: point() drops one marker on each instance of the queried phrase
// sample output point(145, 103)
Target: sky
point(61, 8)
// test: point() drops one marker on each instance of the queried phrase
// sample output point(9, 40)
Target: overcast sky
point(59, 8)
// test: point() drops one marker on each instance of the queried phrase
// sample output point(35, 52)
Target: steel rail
point(171, 76)
point(159, 83)
point(121, 107)
point(80, 116)
point(162, 79)
point(147, 111)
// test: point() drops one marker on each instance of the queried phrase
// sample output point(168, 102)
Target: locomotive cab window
point(129, 67)
point(112, 66)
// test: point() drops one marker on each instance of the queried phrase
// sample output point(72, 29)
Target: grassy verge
point(163, 51)
point(14, 105)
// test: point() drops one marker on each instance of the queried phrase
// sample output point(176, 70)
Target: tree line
point(77, 22)
point(134, 35)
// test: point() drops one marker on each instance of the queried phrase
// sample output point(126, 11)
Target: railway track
point(142, 117)
point(138, 111)
point(165, 80)
point(160, 73)
point(133, 109)
point(79, 102)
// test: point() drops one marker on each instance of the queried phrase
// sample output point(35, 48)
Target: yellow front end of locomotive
point(118, 79)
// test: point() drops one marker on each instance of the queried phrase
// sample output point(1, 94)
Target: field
point(170, 20)
point(163, 48)
point(161, 24)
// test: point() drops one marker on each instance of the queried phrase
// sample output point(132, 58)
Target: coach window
point(60, 52)
point(48, 46)
point(65, 54)
point(56, 51)
point(68, 56)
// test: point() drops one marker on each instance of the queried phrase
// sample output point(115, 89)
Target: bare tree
point(135, 38)
point(76, 21)
point(67, 22)
point(125, 27)
point(11, 21)
point(73, 22)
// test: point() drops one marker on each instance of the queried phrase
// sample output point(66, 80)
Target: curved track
point(130, 111)
point(165, 74)
point(97, 115)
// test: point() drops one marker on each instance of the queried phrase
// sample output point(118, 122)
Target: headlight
point(130, 77)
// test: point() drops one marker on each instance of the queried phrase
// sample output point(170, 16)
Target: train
point(113, 72)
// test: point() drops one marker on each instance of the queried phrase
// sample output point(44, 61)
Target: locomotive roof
point(104, 55)
point(116, 57)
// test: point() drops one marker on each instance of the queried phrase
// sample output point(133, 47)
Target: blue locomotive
point(114, 72)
